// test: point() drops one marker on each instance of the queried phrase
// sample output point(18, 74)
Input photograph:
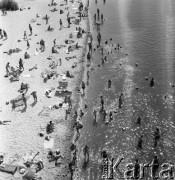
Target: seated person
point(50, 127)
point(50, 29)
point(23, 87)
point(26, 55)
point(54, 50)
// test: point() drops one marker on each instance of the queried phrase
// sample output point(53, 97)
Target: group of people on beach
point(14, 75)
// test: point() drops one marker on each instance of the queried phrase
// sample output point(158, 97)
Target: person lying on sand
point(48, 92)
point(23, 87)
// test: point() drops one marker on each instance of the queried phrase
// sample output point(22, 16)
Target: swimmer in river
point(102, 102)
point(139, 121)
point(120, 101)
point(140, 141)
point(156, 137)
point(95, 116)
point(110, 116)
point(152, 82)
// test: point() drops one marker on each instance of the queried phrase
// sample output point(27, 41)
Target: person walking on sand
point(25, 35)
point(61, 24)
point(7, 68)
point(24, 100)
point(60, 62)
point(46, 19)
point(21, 65)
point(34, 96)
point(99, 38)
point(54, 42)
point(1, 36)
point(68, 20)
point(5, 34)
point(30, 29)
point(28, 44)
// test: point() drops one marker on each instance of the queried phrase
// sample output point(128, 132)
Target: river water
point(146, 31)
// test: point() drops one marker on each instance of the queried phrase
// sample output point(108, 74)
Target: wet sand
point(20, 136)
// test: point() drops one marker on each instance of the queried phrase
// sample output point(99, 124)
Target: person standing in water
point(156, 137)
point(120, 101)
point(109, 83)
point(99, 38)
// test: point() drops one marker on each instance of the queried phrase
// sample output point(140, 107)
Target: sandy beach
point(21, 129)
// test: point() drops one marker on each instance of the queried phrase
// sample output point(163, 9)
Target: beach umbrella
point(30, 175)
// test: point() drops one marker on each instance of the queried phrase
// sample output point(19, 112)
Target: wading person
point(95, 116)
point(140, 142)
point(155, 166)
point(120, 101)
point(95, 18)
point(139, 121)
point(98, 13)
point(86, 155)
point(136, 169)
point(102, 102)
point(156, 137)
point(90, 47)
point(83, 87)
point(99, 38)
point(152, 82)
point(109, 83)
point(87, 78)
